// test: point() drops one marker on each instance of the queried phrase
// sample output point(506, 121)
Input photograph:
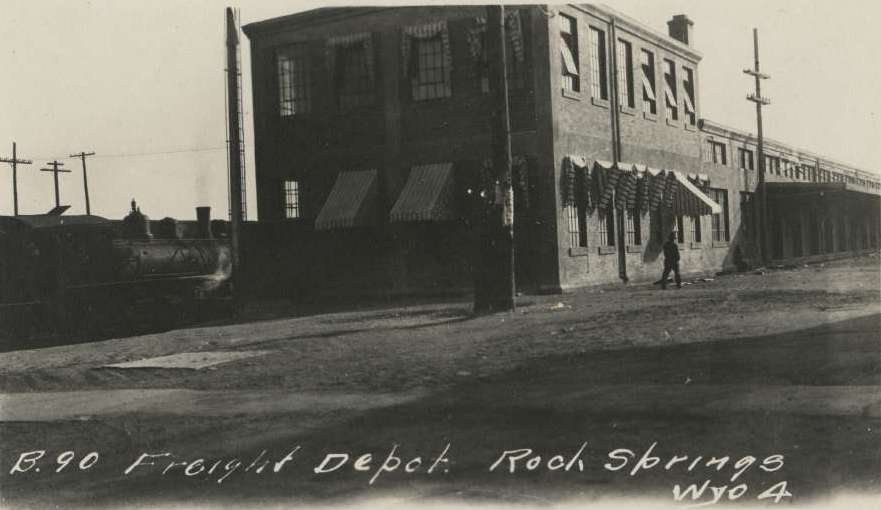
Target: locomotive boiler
point(91, 275)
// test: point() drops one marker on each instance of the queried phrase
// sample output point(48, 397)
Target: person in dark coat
point(671, 262)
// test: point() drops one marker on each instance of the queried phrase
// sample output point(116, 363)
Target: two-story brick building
point(372, 140)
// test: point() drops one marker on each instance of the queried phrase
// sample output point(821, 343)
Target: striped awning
point(633, 185)
point(351, 203)
point(690, 200)
point(428, 195)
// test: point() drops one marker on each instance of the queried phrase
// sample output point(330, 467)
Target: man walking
point(671, 262)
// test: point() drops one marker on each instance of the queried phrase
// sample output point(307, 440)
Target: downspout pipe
point(616, 149)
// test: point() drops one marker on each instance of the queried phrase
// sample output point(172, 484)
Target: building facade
point(372, 134)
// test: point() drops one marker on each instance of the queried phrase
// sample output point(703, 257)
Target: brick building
point(372, 143)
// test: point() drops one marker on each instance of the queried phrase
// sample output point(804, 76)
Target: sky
point(142, 85)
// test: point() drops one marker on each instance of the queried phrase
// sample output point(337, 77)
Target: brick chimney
point(680, 28)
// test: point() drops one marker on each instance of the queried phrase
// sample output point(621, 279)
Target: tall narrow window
point(625, 74)
point(577, 226)
point(694, 225)
point(431, 76)
point(353, 84)
point(720, 221)
point(649, 99)
point(745, 157)
point(294, 81)
point(688, 97)
point(718, 152)
point(606, 228)
point(599, 82)
point(569, 53)
point(291, 199)
point(670, 90)
point(633, 229)
point(678, 229)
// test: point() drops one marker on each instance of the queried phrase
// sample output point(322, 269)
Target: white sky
point(123, 78)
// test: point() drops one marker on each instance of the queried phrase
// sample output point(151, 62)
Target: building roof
point(310, 17)
point(331, 14)
point(715, 128)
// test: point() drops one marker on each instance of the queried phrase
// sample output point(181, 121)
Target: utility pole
point(499, 245)
point(15, 162)
point(82, 156)
point(55, 171)
point(762, 188)
point(235, 156)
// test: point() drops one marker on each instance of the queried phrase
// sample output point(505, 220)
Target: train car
point(88, 274)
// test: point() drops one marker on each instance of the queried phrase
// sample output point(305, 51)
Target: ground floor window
point(694, 225)
point(606, 228)
point(678, 229)
point(632, 228)
point(720, 221)
point(577, 226)
point(291, 199)
point(657, 227)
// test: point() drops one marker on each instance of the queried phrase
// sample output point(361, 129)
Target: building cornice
point(664, 41)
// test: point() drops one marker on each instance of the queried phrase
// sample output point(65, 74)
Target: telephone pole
point(499, 233)
point(235, 151)
point(15, 162)
point(83, 156)
point(55, 171)
point(762, 188)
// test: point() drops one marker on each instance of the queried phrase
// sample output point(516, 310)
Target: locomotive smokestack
point(203, 215)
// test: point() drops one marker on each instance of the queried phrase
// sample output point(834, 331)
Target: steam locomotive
point(90, 275)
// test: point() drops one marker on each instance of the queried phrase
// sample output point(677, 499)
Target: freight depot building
point(372, 129)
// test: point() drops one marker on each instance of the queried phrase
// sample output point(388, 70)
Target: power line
point(140, 154)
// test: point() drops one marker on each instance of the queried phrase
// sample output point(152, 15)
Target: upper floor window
point(427, 60)
point(291, 199)
point(649, 99)
point(772, 165)
point(745, 157)
point(294, 81)
point(718, 152)
point(569, 53)
point(625, 74)
point(688, 96)
point(599, 84)
point(514, 51)
point(350, 60)
point(670, 90)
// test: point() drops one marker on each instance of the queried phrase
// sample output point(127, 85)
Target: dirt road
point(783, 363)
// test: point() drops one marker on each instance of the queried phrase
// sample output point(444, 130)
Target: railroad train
point(90, 275)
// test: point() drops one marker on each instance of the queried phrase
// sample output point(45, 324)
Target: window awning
point(690, 200)
point(647, 87)
point(645, 187)
point(428, 195)
point(351, 203)
point(568, 59)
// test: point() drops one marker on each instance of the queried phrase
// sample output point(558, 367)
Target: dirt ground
point(784, 361)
